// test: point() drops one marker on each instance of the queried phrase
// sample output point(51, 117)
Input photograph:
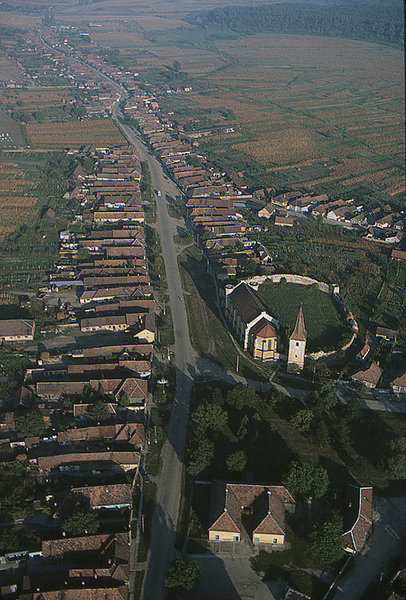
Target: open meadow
point(325, 328)
point(11, 133)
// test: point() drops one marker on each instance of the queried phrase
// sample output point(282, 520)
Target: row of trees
point(362, 20)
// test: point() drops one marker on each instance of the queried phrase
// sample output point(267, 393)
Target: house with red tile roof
point(132, 433)
point(369, 376)
point(359, 517)
point(118, 495)
point(252, 512)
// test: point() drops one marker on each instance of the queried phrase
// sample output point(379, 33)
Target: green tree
point(9, 540)
point(193, 160)
point(306, 479)
point(397, 461)
point(321, 434)
point(209, 416)
point(81, 523)
point(201, 456)
point(30, 424)
point(98, 412)
point(302, 420)
point(242, 396)
point(236, 461)
point(326, 541)
point(325, 398)
point(243, 427)
point(124, 399)
point(183, 574)
point(343, 431)
point(353, 410)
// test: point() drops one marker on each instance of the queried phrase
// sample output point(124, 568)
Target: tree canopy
point(30, 424)
point(306, 479)
point(209, 416)
point(236, 461)
point(183, 574)
point(397, 459)
point(326, 541)
point(201, 456)
point(81, 523)
point(362, 20)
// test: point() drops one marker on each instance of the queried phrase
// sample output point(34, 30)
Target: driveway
point(228, 578)
point(385, 544)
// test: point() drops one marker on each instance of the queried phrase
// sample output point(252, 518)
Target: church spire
point(299, 334)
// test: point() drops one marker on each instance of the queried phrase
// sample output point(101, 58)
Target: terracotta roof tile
point(299, 333)
point(106, 495)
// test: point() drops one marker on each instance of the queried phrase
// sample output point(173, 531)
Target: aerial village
point(94, 395)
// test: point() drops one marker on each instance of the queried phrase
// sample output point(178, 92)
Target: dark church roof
point(247, 302)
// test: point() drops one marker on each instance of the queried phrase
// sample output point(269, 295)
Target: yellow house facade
point(252, 512)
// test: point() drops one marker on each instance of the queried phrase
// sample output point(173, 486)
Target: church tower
point(297, 345)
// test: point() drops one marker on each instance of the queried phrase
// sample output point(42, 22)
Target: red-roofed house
point(360, 516)
point(255, 511)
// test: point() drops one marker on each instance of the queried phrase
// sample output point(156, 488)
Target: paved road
point(231, 578)
point(165, 515)
point(385, 544)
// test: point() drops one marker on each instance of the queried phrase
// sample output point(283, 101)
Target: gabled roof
point(267, 504)
point(269, 525)
point(225, 523)
point(106, 495)
point(247, 302)
point(299, 333)
point(16, 327)
point(264, 329)
point(370, 375)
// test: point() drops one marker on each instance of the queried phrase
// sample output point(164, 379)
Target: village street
point(165, 516)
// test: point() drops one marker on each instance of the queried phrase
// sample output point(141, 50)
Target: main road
point(169, 488)
point(165, 516)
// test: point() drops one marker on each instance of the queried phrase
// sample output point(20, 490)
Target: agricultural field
point(325, 328)
point(38, 104)
point(293, 105)
point(98, 133)
point(11, 134)
point(292, 110)
point(9, 70)
point(17, 194)
point(29, 236)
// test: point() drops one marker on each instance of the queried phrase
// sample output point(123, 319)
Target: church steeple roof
point(299, 333)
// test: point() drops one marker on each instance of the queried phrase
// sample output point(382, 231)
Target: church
point(258, 331)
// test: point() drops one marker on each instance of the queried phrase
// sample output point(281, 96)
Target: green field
point(325, 328)
point(11, 134)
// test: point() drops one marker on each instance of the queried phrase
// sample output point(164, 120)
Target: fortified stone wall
point(255, 282)
point(332, 289)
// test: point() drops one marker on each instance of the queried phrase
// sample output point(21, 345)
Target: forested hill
point(378, 21)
